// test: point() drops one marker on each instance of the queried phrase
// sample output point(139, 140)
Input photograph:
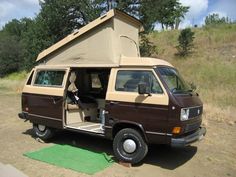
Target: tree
point(129, 6)
point(17, 27)
point(179, 12)
point(146, 47)
point(35, 39)
point(148, 14)
point(214, 19)
point(10, 54)
point(170, 13)
point(11, 46)
point(62, 17)
point(185, 39)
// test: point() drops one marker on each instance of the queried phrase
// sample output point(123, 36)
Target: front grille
point(192, 127)
point(195, 111)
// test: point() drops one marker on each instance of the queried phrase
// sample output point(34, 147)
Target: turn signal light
point(176, 130)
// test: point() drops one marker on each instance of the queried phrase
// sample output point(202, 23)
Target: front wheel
point(129, 146)
point(42, 131)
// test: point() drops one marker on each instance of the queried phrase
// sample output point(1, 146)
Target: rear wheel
point(42, 131)
point(129, 146)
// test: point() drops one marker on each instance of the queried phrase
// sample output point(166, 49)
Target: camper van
point(95, 82)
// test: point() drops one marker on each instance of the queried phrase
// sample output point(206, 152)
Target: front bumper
point(23, 115)
point(189, 139)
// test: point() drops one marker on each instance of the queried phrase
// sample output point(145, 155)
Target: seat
point(72, 87)
point(131, 85)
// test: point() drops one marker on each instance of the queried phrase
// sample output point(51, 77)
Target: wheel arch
point(125, 124)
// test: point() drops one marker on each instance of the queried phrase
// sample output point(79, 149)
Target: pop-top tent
point(100, 43)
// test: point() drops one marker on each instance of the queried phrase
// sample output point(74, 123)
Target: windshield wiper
point(174, 90)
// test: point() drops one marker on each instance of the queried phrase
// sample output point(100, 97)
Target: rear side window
point(49, 78)
point(128, 81)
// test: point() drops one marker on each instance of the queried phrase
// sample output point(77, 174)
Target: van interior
point(85, 99)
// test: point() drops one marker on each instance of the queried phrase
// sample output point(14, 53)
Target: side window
point(49, 78)
point(128, 81)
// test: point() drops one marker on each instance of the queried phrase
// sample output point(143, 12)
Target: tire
point(42, 131)
point(124, 143)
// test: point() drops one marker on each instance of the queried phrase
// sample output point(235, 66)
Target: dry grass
point(211, 66)
point(12, 83)
point(226, 115)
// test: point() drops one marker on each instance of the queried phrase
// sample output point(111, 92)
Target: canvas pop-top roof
point(101, 42)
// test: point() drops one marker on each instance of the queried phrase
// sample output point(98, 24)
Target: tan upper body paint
point(126, 63)
point(46, 90)
point(142, 62)
point(135, 97)
point(123, 62)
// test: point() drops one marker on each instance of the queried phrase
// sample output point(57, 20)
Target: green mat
point(74, 158)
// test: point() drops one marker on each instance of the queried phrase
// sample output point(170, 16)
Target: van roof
point(124, 62)
point(143, 61)
point(109, 15)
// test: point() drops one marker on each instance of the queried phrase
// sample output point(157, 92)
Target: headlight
point(184, 114)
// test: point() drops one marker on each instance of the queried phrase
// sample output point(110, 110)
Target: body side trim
point(158, 133)
point(45, 117)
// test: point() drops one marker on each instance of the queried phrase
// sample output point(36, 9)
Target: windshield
point(174, 81)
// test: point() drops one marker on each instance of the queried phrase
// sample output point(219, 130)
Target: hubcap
point(129, 146)
point(41, 127)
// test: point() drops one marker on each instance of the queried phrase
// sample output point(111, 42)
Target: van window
point(128, 81)
point(49, 78)
point(174, 81)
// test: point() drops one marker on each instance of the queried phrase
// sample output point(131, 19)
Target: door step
point(87, 126)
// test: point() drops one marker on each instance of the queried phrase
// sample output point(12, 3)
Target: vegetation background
point(211, 65)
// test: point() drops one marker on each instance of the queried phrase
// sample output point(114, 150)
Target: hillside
point(211, 66)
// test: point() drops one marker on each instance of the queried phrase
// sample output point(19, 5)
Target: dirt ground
point(213, 156)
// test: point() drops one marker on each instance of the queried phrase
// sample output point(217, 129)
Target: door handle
point(114, 103)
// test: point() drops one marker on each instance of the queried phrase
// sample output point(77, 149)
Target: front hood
point(187, 100)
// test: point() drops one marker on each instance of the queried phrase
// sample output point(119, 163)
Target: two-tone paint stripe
point(159, 133)
point(45, 117)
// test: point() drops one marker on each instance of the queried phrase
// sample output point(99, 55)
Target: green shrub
point(185, 42)
point(17, 76)
point(147, 48)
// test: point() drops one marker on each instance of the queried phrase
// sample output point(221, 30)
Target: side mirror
point(142, 89)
